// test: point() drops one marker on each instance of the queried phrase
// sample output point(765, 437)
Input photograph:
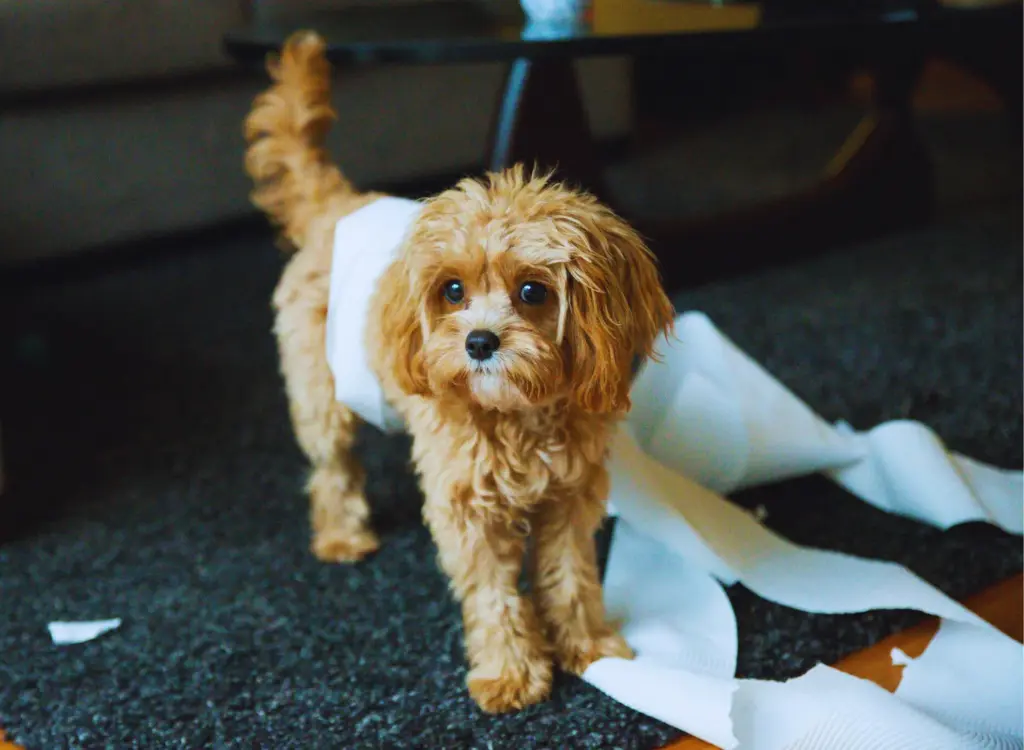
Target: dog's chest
point(525, 460)
point(502, 464)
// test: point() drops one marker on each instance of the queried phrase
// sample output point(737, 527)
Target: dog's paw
point(575, 655)
point(516, 687)
point(334, 546)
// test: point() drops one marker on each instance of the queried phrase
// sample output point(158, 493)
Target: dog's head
point(517, 291)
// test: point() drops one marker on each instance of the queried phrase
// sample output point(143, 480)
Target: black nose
point(480, 345)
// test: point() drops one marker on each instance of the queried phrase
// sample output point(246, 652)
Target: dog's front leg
point(509, 660)
point(566, 580)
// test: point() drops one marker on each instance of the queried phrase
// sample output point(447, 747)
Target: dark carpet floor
point(154, 478)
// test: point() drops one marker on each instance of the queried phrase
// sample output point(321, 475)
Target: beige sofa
point(120, 119)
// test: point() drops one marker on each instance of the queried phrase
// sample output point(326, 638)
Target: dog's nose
point(480, 345)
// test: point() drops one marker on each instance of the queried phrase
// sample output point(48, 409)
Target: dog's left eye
point(454, 292)
point(533, 293)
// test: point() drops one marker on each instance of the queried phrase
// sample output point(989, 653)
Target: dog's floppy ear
point(617, 307)
point(399, 329)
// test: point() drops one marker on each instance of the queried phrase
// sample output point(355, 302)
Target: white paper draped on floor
point(707, 420)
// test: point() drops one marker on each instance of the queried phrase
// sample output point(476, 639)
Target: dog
point(504, 332)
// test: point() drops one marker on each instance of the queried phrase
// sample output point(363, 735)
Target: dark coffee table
point(880, 180)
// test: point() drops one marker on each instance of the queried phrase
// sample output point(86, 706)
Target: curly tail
point(292, 172)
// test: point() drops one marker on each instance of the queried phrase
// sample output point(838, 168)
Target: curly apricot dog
point(503, 333)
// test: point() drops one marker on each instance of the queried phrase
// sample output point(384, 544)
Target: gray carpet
point(155, 478)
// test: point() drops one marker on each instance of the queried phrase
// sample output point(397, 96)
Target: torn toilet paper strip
point(964, 693)
point(719, 537)
point(729, 424)
point(67, 633)
point(678, 620)
point(906, 466)
point(365, 242)
point(732, 425)
point(826, 709)
point(969, 681)
point(671, 536)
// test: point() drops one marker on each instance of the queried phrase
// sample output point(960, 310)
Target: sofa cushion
point(116, 166)
point(52, 43)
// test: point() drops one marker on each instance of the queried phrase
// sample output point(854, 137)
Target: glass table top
point(462, 30)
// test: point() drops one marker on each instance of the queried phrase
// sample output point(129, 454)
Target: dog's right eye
point(454, 291)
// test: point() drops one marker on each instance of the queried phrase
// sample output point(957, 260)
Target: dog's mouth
point(510, 383)
point(493, 366)
point(488, 380)
point(492, 389)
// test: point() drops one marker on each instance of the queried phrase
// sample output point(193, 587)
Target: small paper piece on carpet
point(67, 633)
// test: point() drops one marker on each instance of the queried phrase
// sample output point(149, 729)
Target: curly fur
point(505, 450)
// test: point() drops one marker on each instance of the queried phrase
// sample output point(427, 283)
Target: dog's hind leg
point(339, 514)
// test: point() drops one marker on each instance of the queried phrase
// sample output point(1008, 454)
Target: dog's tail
point(293, 175)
